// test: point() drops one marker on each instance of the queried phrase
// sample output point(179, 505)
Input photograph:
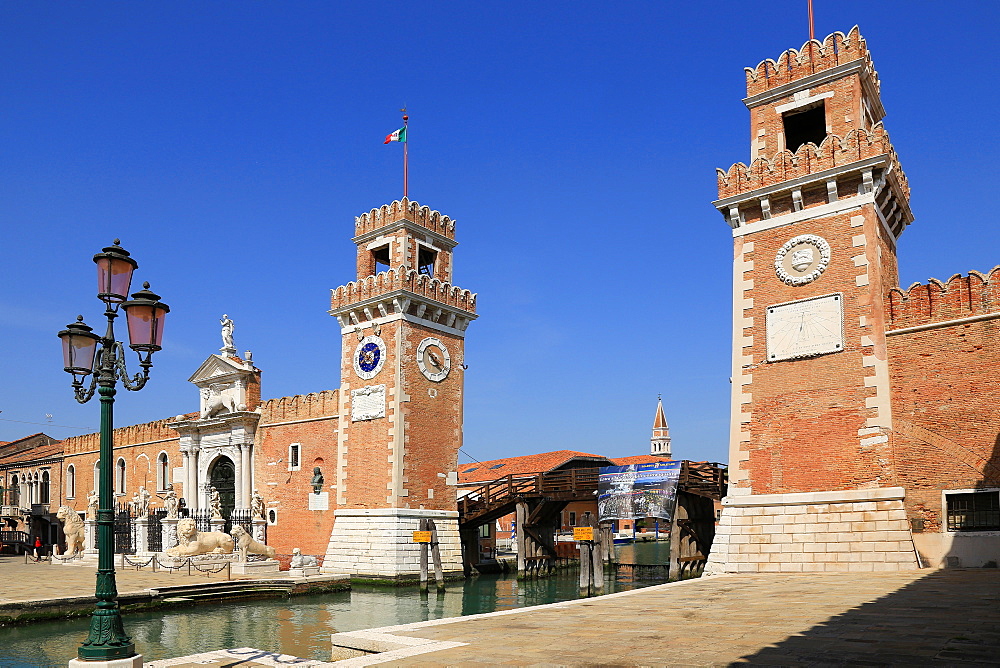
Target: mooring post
point(435, 555)
point(585, 563)
point(520, 514)
point(423, 558)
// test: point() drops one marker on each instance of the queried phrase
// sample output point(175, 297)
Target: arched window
point(33, 497)
point(120, 477)
point(162, 472)
point(43, 488)
point(97, 476)
point(13, 496)
point(70, 482)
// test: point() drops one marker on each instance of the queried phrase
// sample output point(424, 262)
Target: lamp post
point(103, 359)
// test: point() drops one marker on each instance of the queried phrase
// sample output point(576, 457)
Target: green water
point(301, 626)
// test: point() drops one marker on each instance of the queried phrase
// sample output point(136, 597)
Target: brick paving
point(910, 618)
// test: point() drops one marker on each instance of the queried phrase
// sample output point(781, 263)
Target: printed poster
point(638, 490)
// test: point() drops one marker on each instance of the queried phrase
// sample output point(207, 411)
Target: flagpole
point(812, 32)
point(406, 157)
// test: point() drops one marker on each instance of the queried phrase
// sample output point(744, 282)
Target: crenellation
point(935, 301)
point(814, 56)
point(408, 210)
point(401, 278)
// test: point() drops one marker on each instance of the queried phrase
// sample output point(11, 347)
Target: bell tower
point(402, 325)
point(815, 219)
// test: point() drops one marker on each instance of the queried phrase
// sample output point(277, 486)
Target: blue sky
point(230, 145)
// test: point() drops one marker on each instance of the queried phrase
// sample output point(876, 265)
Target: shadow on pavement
point(949, 617)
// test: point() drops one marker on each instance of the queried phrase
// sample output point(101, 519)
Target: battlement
point(300, 407)
point(832, 152)
point(147, 432)
point(814, 56)
point(937, 301)
point(404, 210)
point(401, 278)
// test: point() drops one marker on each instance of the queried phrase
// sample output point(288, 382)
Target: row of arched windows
point(119, 486)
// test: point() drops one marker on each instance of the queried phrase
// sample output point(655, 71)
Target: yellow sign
point(421, 536)
point(583, 533)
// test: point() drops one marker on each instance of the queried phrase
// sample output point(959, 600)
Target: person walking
point(38, 548)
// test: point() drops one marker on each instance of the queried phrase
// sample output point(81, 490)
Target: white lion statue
point(191, 542)
point(300, 560)
point(245, 544)
point(72, 528)
point(216, 402)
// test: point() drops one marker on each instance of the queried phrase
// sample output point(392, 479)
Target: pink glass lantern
point(79, 348)
point(114, 273)
point(145, 314)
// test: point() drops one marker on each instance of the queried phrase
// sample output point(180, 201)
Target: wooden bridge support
point(536, 536)
point(691, 534)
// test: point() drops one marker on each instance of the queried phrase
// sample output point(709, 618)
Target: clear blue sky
point(231, 144)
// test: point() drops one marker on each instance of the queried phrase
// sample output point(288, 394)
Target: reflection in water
point(301, 626)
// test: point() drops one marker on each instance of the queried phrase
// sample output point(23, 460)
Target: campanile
point(815, 218)
point(402, 325)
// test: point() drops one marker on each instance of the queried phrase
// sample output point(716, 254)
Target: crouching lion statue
point(245, 544)
point(72, 528)
point(191, 542)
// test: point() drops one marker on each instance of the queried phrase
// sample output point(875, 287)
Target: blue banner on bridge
point(638, 490)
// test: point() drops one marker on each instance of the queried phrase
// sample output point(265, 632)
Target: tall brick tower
point(815, 218)
point(403, 326)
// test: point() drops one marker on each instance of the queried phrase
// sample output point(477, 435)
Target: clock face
point(433, 359)
point(369, 357)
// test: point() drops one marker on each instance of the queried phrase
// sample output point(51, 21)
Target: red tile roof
point(21, 450)
point(477, 472)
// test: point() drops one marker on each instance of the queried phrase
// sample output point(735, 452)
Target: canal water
point(301, 626)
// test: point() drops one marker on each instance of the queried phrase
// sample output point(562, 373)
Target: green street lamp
point(103, 358)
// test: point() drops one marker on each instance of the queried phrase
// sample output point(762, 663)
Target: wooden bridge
point(539, 498)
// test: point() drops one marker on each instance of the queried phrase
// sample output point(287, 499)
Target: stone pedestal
point(379, 543)
point(90, 536)
point(218, 524)
point(303, 571)
point(141, 535)
point(168, 532)
point(259, 527)
point(844, 531)
point(255, 567)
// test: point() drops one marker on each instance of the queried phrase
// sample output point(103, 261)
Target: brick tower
point(815, 218)
point(403, 326)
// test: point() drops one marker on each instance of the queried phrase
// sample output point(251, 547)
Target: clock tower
point(815, 218)
point(402, 325)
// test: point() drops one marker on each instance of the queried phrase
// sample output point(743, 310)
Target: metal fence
point(124, 529)
point(155, 538)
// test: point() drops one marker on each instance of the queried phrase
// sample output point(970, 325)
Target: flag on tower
point(398, 135)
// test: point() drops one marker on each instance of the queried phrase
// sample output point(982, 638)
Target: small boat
point(622, 538)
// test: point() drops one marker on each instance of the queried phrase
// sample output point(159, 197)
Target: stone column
point(168, 529)
point(247, 462)
point(259, 529)
point(90, 536)
point(141, 535)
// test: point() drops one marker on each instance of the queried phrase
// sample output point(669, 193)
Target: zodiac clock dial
point(369, 357)
point(433, 359)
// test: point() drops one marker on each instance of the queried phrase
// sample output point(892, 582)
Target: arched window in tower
point(162, 472)
point(71, 481)
point(120, 477)
point(43, 488)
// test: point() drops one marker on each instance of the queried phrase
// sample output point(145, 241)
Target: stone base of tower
point(379, 543)
point(845, 531)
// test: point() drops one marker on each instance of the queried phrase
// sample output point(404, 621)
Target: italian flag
point(398, 135)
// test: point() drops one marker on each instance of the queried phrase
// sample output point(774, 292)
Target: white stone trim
point(943, 323)
point(807, 498)
point(803, 102)
point(821, 211)
point(740, 383)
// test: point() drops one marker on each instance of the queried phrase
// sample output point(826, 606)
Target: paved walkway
point(915, 618)
point(23, 582)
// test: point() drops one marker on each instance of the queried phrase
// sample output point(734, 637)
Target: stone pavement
point(23, 582)
point(910, 618)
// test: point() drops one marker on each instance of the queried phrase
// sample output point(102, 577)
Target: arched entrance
point(222, 477)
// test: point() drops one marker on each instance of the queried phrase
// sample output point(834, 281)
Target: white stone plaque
point(804, 328)
point(319, 501)
point(368, 403)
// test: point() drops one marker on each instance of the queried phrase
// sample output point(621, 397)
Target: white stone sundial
point(806, 327)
